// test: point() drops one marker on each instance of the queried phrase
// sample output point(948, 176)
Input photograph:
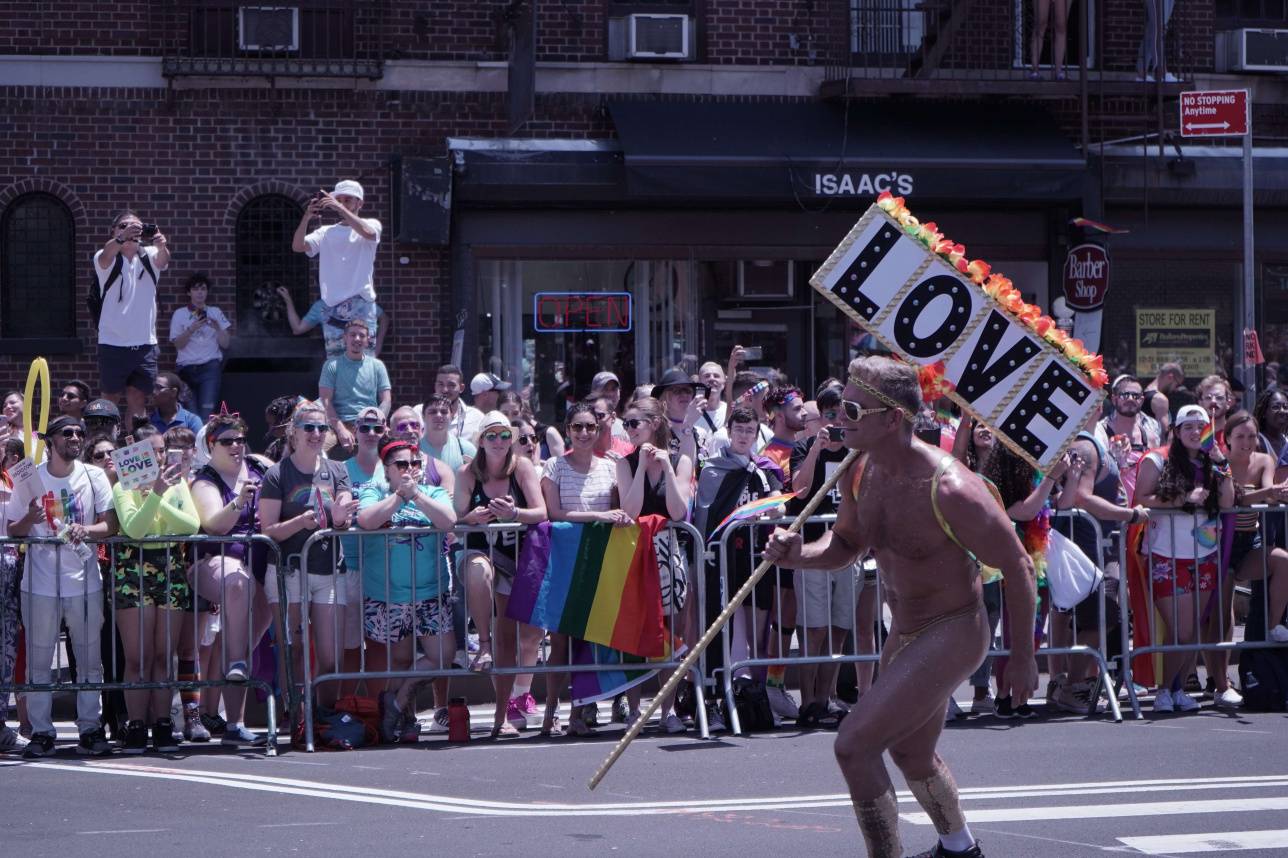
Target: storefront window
point(1273, 332)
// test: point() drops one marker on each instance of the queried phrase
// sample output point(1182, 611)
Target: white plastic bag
point(1071, 576)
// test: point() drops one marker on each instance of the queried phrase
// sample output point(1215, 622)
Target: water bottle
point(458, 720)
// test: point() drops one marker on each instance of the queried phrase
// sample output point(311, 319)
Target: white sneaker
point(672, 724)
point(439, 723)
point(1186, 703)
point(1163, 700)
point(1279, 634)
point(10, 740)
point(983, 706)
point(782, 704)
point(953, 712)
point(715, 722)
point(1228, 699)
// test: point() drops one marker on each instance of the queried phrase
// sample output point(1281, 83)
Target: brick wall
point(759, 32)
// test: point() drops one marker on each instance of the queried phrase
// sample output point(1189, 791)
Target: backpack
point(339, 731)
point(95, 298)
point(366, 710)
point(751, 699)
point(1263, 676)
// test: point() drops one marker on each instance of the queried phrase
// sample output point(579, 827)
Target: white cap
point(1192, 414)
point(485, 381)
point(347, 188)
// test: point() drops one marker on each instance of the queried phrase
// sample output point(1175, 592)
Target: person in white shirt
point(200, 333)
point(346, 250)
point(62, 583)
point(128, 267)
point(449, 381)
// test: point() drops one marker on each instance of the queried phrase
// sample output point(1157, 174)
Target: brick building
point(514, 151)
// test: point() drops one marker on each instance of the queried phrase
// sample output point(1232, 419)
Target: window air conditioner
point(268, 28)
point(655, 37)
point(1252, 50)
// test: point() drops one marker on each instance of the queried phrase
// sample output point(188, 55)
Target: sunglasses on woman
point(856, 412)
point(404, 464)
point(239, 441)
point(311, 427)
point(100, 455)
point(583, 427)
point(371, 429)
point(502, 436)
point(634, 423)
point(525, 440)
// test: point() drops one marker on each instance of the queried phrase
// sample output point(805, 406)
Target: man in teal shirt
point(351, 382)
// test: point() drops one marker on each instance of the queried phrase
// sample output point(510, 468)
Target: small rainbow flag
point(1207, 441)
point(595, 582)
point(753, 508)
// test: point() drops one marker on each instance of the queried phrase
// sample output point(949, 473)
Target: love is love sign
point(999, 358)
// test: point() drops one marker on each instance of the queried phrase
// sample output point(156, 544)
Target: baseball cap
point(103, 408)
point(485, 381)
point(1192, 414)
point(370, 414)
point(347, 188)
point(602, 378)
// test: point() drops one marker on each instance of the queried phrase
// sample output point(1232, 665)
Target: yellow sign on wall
point(1176, 335)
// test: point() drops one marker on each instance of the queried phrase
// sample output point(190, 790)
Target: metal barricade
point(445, 668)
point(754, 658)
point(1217, 552)
point(99, 630)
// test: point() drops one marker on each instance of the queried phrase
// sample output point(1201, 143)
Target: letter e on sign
point(1039, 419)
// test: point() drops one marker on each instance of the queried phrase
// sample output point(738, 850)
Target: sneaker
point(94, 744)
point(953, 712)
point(439, 723)
point(715, 721)
point(41, 745)
point(631, 718)
point(472, 642)
point(236, 672)
point(10, 740)
point(193, 729)
point(590, 714)
point(1229, 699)
point(672, 724)
point(239, 735)
point(985, 705)
point(1005, 710)
point(1075, 697)
point(1184, 702)
point(782, 704)
point(621, 710)
point(1279, 634)
point(163, 737)
point(214, 724)
point(940, 851)
point(409, 729)
point(1163, 701)
point(515, 714)
point(527, 703)
point(461, 661)
point(390, 716)
point(136, 738)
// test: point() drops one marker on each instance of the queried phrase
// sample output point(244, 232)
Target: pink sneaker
point(527, 703)
point(514, 714)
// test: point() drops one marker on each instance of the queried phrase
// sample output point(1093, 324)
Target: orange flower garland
point(997, 286)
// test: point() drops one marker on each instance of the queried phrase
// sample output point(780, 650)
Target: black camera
point(835, 433)
point(149, 231)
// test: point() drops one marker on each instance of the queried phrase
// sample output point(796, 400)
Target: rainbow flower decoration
point(997, 286)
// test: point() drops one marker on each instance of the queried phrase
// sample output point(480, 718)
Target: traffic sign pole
point(1249, 278)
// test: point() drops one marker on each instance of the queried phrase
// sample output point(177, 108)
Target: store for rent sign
point(922, 309)
point(1176, 335)
point(561, 312)
point(861, 184)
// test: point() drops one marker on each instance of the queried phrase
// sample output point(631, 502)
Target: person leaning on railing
point(1254, 483)
point(1195, 485)
point(406, 600)
point(230, 575)
point(150, 590)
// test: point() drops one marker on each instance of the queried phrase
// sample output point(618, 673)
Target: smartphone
point(201, 314)
point(173, 457)
point(149, 231)
point(753, 353)
point(835, 433)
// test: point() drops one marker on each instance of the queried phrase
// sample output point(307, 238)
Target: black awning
point(815, 150)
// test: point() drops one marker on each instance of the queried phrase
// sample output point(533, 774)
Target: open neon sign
point(559, 312)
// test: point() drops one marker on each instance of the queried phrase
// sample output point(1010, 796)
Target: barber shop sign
point(1086, 277)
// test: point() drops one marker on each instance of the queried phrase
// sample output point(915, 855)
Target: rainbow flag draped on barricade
point(598, 584)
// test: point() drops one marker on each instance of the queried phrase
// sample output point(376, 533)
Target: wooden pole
point(735, 602)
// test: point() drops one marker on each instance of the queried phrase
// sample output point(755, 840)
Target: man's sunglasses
point(493, 436)
point(72, 432)
point(408, 426)
point(239, 441)
point(404, 464)
point(371, 429)
point(856, 412)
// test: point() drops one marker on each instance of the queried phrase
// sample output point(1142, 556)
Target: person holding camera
point(200, 333)
point(346, 254)
point(128, 267)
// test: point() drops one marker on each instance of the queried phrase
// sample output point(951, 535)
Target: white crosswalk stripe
point(1191, 844)
point(1104, 811)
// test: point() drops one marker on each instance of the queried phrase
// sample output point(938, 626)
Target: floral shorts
point(1160, 573)
point(388, 623)
point(150, 578)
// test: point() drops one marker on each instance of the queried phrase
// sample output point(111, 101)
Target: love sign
point(1003, 362)
point(136, 465)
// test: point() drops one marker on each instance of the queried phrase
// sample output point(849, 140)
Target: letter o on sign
point(916, 302)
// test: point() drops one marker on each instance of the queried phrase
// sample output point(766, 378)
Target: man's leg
point(40, 619)
point(84, 617)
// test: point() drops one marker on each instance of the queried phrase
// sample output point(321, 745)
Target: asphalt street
point(1210, 782)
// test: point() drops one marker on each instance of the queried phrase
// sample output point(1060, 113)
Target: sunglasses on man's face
point(856, 412)
point(408, 426)
point(495, 436)
point(239, 441)
point(71, 432)
point(404, 464)
point(371, 429)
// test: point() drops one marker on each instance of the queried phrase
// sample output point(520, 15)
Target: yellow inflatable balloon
point(34, 440)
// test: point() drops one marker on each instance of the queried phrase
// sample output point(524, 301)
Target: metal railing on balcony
point(987, 47)
point(328, 38)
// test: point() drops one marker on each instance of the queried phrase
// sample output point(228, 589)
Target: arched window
point(265, 261)
point(37, 268)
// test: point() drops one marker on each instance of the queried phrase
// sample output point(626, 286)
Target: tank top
point(1247, 522)
point(247, 521)
point(654, 493)
point(507, 541)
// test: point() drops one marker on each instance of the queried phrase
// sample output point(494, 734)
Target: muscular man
point(930, 523)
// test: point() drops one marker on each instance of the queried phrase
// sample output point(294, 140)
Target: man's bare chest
point(896, 516)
